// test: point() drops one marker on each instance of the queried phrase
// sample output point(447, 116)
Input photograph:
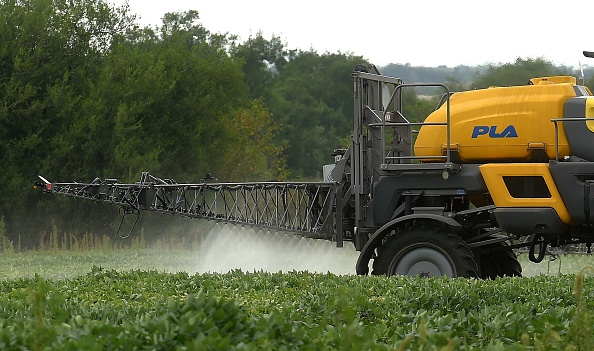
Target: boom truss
point(304, 207)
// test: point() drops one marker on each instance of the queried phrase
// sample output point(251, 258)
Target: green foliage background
point(85, 92)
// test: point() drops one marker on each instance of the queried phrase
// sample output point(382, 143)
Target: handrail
point(570, 119)
point(447, 123)
point(383, 123)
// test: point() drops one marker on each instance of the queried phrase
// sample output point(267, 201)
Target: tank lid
point(553, 80)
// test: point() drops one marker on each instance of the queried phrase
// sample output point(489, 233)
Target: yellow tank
point(501, 123)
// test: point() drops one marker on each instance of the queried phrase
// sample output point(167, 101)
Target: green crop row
point(150, 310)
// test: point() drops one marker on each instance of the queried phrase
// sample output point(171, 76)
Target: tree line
point(85, 92)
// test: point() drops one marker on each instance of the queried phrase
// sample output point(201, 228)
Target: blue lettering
point(479, 130)
point(508, 132)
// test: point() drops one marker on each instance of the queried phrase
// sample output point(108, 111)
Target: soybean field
point(182, 299)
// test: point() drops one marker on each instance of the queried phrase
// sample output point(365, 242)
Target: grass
point(61, 264)
point(554, 265)
point(69, 264)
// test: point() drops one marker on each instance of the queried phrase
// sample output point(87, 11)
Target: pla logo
point(507, 132)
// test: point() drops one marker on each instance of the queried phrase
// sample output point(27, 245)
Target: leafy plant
point(138, 309)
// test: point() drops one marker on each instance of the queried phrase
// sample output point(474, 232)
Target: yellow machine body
point(501, 123)
point(524, 185)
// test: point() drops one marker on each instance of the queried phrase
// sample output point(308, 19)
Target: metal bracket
point(128, 211)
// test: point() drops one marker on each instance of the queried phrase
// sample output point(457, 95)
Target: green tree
point(416, 108)
point(262, 59)
point(311, 99)
point(49, 51)
point(253, 153)
point(188, 97)
point(86, 93)
point(518, 73)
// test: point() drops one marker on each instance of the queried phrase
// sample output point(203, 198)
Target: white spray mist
point(228, 247)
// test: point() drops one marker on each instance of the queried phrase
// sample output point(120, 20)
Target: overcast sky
point(419, 32)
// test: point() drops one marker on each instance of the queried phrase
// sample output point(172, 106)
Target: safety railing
point(556, 121)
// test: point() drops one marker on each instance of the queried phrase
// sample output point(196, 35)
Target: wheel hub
point(423, 262)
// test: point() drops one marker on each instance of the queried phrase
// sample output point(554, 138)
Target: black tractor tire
point(501, 263)
point(425, 251)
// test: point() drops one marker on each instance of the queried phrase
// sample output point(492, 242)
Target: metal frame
point(563, 120)
point(305, 207)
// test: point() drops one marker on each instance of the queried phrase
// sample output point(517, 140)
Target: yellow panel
point(590, 113)
point(493, 175)
point(499, 123)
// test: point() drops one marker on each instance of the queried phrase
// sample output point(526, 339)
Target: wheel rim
point(422, 262)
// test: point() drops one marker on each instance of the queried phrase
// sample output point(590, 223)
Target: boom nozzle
point(45, 184)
